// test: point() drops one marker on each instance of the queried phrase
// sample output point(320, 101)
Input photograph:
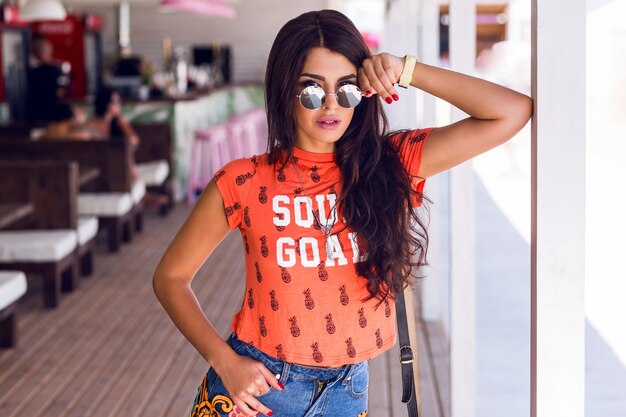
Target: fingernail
point(368, 92)
point(389, 100)
point(270, 413)
point(395, 97)
point(281, 385)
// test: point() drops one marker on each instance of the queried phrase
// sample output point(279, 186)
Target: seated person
point(65, 125)
point(108, 120)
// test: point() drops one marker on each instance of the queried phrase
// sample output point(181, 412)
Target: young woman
point(108, 120)
point(326, 220)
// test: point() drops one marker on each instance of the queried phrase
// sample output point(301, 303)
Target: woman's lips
point(328, 123)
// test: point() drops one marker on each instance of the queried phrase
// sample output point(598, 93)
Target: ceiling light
point(203, 7)
point(43, 10)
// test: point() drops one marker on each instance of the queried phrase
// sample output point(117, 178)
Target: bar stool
point(210, 151)
point(252, 131)
point(237, 130)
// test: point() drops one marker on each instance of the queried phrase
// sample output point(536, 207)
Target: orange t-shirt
point(300, 306)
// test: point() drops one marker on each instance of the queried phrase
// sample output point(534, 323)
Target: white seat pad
point(138, 191)
point(87, 229)
point(104, 204)
point(153, 172)
point(12, 287)
point(36, 245)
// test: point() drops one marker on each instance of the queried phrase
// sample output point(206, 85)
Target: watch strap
point(407, 71)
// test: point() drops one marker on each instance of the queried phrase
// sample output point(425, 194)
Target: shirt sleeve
point(233, 182)
point(409, 145)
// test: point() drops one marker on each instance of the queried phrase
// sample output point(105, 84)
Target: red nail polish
point(395, 97)
point(270, 413)
point(281, 385)
point(368, 92)
point(389, 100)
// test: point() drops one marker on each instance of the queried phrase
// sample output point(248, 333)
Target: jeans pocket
point(211, 379)
point(278, 369)
point(359, 382)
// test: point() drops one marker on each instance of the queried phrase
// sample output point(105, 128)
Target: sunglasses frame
point(323, 98)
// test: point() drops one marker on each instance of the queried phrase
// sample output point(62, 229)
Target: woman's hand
point(244, 379)
point(378, 74)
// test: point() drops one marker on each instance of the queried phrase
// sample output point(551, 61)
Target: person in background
point(65, 125)
point(47, 82)
point(107, 122)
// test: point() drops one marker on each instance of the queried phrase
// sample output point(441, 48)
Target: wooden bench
point(106, 164)
point(46, 242)
point(154, 156)
point(12, 287)
point(155, 161)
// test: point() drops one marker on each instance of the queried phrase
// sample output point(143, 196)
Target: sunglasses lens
point(348, 95)
point(312, 97)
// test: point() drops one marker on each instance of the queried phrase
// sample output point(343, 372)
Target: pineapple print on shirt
point(262, 194)
point(330, 326)
point(308, 300)
point(315, 177)
point(317, 355)
point(246, 217)
point(295, 330)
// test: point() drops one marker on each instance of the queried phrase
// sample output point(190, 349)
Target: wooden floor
point(110, 349)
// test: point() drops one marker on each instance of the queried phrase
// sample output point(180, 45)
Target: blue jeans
point(309, 391)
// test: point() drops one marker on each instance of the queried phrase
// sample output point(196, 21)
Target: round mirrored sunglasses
point(314, 96)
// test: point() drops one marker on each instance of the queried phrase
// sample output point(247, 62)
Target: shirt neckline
point(313, 156)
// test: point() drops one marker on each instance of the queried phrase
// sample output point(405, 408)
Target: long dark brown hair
point(376, 199)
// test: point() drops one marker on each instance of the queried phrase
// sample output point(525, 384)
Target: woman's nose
point(331, 102)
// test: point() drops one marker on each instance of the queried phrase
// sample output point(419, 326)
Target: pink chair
point(210, 151)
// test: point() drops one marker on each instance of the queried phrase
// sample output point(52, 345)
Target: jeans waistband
point(298, 371)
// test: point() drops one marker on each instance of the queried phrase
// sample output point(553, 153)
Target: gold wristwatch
point(407, 71)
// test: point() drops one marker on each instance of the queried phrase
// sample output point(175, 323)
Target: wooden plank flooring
point(110, 349)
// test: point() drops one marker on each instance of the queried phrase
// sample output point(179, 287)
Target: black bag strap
point(407, 356)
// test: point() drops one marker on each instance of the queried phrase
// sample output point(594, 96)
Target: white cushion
point(104, 204)
point(138, 191)
point(87, 229)
point(36, 245)
point(154, 172)
point(12, 287)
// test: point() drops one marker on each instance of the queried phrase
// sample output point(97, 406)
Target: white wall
point(251, 33)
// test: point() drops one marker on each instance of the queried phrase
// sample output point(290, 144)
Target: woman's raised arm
point(496, 112)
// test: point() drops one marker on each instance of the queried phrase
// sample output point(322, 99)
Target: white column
point(429, 53)
point(400, 38)
point(558, 209)
point(462, 235)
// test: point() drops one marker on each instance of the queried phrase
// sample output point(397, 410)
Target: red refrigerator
point(76, 40)
point(14, 36)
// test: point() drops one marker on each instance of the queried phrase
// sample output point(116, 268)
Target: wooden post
point(558, 209)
